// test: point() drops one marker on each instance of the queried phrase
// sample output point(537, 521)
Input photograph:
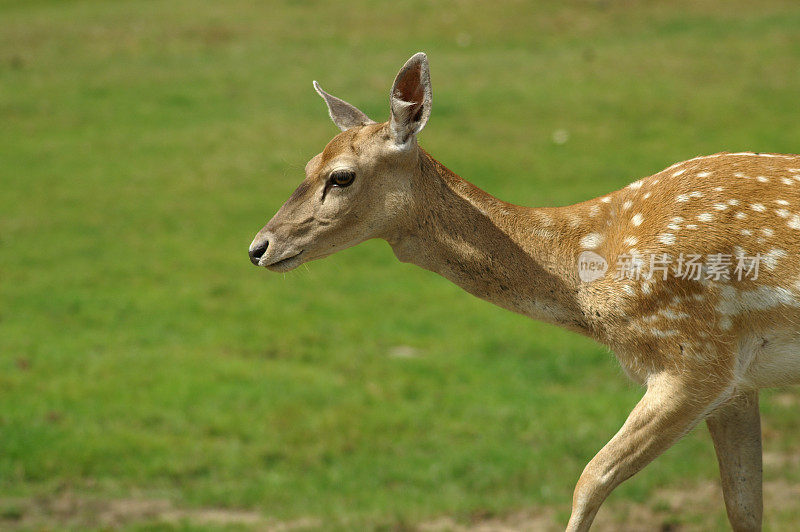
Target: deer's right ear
point(342, 113)
point(411, 99)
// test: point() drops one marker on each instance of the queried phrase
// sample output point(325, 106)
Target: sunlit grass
point(142, 145)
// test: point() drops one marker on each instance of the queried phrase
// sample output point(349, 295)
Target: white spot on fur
point(637, 219)
point(679, 172)
point(747, 232)
point(781, 202)
point(672, 315)
point(627, 205)
point(682, 198)
point(594, 210)
point(758, 207)
point(663, 334)
point(762, 179)
point(691, 226)
point(630, 241)
point(770, 259)
point(733, 302)
point(696, 194)
point(574, 219)
point(635, 185)
point(767, 232)
point(705, 217)
point(666, 238)
point(783, 213)
point(733, 202)
point(787, 181)
point(703, 174)
point(629, 289)
point(794, 222)
point(674, 227)
point(605, 199)
point(592, 240)
point(720, 206)
point(740, 216)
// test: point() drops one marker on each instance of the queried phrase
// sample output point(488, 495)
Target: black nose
point(258, 251)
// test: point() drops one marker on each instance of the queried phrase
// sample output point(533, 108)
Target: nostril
point(258, 251)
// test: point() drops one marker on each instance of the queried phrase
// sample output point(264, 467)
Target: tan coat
point(691, 275)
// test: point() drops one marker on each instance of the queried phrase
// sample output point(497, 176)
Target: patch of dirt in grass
point(69, 509)
point(697, 508)
point(527, 520)
point(785, 398)
point(778, 460)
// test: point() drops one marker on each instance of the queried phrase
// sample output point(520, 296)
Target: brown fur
point(702, 347)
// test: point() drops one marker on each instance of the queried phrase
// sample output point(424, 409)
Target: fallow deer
point(702, 344)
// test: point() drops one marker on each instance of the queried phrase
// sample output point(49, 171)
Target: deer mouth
point(286, 264)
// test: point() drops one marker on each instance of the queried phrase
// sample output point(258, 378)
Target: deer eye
point(342, 178)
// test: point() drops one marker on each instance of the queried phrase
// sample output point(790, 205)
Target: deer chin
point(285, 264)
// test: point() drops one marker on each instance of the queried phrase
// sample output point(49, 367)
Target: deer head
point(360, 186)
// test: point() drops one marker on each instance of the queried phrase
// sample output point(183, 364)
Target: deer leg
point(736, 430)
point(669, 409)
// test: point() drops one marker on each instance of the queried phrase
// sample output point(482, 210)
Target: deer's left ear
point(411, 99)
point(342, 113)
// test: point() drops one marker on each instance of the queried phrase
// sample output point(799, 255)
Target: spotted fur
point(703, 346)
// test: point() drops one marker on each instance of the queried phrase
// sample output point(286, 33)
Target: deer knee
point(591, 490)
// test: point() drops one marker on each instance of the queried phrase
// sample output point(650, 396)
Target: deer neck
point(509, 255)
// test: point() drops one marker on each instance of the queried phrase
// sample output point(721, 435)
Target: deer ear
point(342, 113)
point(411, 98)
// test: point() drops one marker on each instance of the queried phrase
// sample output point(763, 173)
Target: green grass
point(142, 145)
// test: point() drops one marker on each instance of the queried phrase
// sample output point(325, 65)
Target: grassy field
point(151, 377)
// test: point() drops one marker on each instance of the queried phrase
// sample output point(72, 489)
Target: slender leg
point(736, 430)
point(668, 410)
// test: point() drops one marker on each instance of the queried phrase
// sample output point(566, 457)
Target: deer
point(701, 345)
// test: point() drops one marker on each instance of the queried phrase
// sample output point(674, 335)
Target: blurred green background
point(151, 377)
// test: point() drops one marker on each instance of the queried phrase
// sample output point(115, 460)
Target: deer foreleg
point(669, 409)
